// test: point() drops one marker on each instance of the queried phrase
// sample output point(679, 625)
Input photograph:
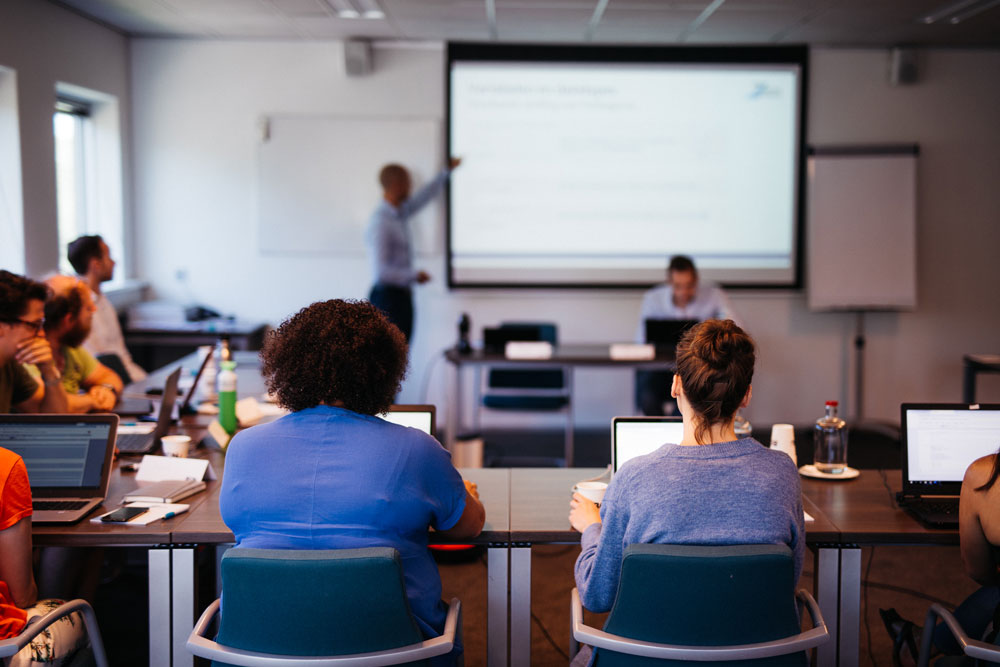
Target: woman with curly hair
point(332, 475)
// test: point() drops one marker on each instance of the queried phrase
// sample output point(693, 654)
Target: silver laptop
point(144, 443)
point(68, 458)
point(415, 416)
point(636, 436)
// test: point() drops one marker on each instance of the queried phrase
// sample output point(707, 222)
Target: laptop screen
point(941, 440)
point(636, 436)
point(59, 454)
point(415, 416)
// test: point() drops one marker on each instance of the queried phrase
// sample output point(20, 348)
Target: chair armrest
point(36, 625)
point(599, 639)
point(201, 646)
point(973, 648)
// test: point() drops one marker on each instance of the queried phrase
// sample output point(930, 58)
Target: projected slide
point(594, 173)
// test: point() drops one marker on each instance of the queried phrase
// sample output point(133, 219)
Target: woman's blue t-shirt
point(329, 478)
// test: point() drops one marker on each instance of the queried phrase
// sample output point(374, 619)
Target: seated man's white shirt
point(658, 304)
point(106, 337)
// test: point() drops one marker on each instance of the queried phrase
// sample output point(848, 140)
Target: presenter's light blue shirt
point(329, 478)
point(388, 235)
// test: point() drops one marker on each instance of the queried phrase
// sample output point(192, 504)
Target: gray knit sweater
point(728, 493)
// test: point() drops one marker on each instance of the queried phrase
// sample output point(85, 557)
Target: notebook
point(665, 334)
point(68, 458)
point(143, 443)
point(415, 416)
point(939, 442)
point(636, 436)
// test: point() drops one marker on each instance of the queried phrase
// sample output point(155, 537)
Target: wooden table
point(865, 512)
point(565, 357)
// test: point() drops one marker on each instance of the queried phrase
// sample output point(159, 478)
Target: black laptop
point(144, 443)
point(665, 334)
point(940, 440)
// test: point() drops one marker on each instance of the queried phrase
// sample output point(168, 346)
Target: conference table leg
point(850, 607)
point(182, 604)
point(498, 581)
point(520, 605)
point(827, 568)
point(159, 607)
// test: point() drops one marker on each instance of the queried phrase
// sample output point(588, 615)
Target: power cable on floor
point(910, 591)
point(548, 636)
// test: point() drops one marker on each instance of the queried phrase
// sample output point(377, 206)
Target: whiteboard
point(318, 181)
point(862, 231)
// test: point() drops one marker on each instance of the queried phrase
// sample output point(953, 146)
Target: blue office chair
point(733, 605)
point(973, 648)
point(12, 645)
point(530, 388)
point(321, 608)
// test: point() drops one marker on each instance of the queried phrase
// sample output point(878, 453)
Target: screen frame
point(911, 488)
point(101, 490)
point(797, 55)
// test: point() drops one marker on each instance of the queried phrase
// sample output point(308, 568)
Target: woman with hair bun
point(710, 488)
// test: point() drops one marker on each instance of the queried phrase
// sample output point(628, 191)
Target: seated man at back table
point(91, 259)
point(89, 385)
point(680, 298)
point(22, 314)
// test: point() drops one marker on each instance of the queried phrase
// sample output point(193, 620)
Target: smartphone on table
point(123, 514)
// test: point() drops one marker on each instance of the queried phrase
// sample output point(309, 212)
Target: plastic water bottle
point(223, 353)
point(742, 426)
point(227, 396)
point(830, 440)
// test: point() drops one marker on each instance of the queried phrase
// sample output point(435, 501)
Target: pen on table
point(169, 514)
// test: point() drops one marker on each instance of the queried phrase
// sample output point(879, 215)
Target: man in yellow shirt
point(89, 385)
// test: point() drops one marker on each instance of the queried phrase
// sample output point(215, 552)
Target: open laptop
point(415, 416)
point(143, 443)
point(187, 406)
point(636, 436)
point(940, 440)
point(68, 458)
point(665, 334)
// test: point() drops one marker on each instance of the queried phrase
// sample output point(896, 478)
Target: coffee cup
point(176, 445)
point(592, 491)
point(783, 439)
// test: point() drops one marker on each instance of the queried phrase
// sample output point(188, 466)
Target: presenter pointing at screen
point(388, 239)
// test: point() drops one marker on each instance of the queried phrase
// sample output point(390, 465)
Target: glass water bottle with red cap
point(830, 438)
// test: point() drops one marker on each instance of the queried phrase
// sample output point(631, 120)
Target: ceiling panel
point(826, 22)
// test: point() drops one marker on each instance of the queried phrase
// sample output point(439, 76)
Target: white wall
point(45, 45)
point(196, 106)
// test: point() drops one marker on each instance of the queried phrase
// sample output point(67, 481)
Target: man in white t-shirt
point(682, 297)
point(91, 259)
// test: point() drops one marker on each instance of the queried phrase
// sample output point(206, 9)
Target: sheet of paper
point(160, 468)
point(141, 427)
point(808, 516)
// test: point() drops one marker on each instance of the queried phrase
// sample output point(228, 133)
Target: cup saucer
point(811, 471)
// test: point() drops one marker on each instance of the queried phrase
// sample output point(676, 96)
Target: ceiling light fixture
point(357, 9)
point(956, 12)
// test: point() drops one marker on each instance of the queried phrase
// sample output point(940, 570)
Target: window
point(85, 126)
point(11, 213)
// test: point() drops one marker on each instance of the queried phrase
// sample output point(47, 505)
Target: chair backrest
point(704, 596)
point(309, 603)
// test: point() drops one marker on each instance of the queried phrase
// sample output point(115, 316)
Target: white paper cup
point(592, 491)
point(783, 439)
point(176, 445)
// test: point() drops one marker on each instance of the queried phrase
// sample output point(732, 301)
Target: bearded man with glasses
point(22, 318)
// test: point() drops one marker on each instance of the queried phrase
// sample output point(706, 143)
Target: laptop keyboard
point(134, 442)
point(50, 505)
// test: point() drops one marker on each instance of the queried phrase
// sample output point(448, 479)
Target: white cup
point(592, 491)
point(783, 439)
point(176, 445)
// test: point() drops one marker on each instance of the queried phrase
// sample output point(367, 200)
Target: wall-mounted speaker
point(358, 60)
point(903, 68)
